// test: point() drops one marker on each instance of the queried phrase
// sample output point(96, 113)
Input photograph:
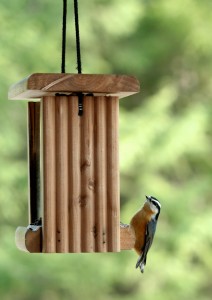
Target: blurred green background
point(165, 144)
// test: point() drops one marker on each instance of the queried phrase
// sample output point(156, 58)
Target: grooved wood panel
point(100, 150)
point(113, 188)
point(81, 200)
point(62, 166)
point(49, 174)
point(74, 140)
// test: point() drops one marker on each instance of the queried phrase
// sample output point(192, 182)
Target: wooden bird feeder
point(74, 198)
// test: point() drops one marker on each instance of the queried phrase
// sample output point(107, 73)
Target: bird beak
point(147, 198)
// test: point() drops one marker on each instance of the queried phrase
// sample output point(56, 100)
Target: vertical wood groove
point(113, 197)
point(81, 175)
point(74, 175)
point(87, 176)
point(49, 181)
point(100, 175)
point(62, 214)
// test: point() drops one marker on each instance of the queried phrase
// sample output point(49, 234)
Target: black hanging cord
point(76, 15)
point(63, 64)
point(79, 63)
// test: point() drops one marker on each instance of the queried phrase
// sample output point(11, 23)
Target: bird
point(143, 224)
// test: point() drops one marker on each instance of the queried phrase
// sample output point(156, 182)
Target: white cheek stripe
point(158, 203)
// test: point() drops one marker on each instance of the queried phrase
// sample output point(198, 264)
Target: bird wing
point(150, 232)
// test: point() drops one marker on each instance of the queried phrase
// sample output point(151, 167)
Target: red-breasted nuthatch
point(143, 224)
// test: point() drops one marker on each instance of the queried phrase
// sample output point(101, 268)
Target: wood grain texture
point(49, 175)
point(81, 200)
point(113, 185)
point(87, 176)
point(34, 160)
point(100, 156)
point(74, 176)
point(39, 85)
point(81, 175)
point(127, 238)
point(62, 184)
point(29, 240)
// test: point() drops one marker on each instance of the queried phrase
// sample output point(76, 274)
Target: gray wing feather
point(150, 232)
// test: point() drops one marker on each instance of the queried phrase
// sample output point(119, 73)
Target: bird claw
point(122, 225)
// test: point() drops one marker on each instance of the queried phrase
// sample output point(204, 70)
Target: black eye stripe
point(153, 198)
point(155, 202)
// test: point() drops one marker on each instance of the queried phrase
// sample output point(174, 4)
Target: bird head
point(154, 205)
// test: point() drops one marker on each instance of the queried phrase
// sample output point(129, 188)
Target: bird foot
point(122, 225)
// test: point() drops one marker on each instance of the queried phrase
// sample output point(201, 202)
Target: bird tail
point(141, 262)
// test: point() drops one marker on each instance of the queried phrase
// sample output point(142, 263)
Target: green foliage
point(165, 144)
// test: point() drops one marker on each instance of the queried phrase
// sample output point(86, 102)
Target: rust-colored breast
point(138, 224)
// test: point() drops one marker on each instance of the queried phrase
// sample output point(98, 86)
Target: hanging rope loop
point(76, 16)
point(77, 32)
point(78, 50)
point(79, 63)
